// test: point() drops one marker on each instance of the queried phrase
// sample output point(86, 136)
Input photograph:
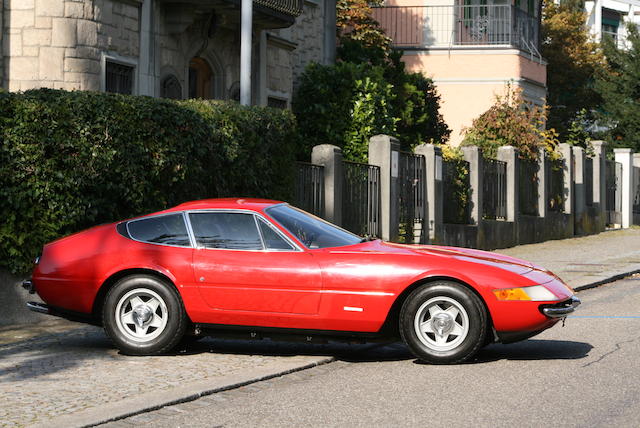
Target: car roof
point(253, 204)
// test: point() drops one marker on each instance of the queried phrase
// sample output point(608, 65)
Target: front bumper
point(562, 309)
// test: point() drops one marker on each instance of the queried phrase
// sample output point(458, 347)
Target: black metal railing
point(411, 190)
point(456, 189)
point(555, 184)
point(613, 176)
point(636, 197)
point(494, 189)
point(528, 187)
point(459, 25)
point(361, 198)
point(588, 181)
point(309, 188)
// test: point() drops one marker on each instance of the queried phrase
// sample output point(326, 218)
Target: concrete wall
point(13, 299)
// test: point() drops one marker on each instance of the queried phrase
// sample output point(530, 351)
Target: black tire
point(161, 328)
point(458, 315)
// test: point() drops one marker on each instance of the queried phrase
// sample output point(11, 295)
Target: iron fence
point(588, 181)
point(528, 187)
point(411, 206)
point(494, 189)
point(613, 175)
point(309, 188)
point(459, 25)
point(456, 189)
point(361, 198)
point(554, 181)
point(636, 197)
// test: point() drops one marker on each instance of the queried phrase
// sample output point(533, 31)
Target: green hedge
point(69, 160)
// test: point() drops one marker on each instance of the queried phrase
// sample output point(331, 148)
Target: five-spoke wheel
point(443, 322)
point(144, 315)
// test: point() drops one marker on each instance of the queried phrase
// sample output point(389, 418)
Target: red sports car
point(265, 268)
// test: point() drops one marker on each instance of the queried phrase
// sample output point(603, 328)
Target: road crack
point(618, 346)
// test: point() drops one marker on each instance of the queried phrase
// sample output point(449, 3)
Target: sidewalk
point(58, 373)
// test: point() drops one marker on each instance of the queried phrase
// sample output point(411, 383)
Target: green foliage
point(361, 37)
point(460, 196)
point(69, 160)
point(511, 121)
point(573, 59)
point(619, 86)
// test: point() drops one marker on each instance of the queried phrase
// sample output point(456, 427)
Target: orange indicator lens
point(511, 294)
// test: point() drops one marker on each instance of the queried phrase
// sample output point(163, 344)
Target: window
point(312, 231)
point(232, 231)
point(171, 88)
point(277, 102)
point(119, 78)
point(167, 230)
point(272, 239)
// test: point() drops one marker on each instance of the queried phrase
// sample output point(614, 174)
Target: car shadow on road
point(537, 349)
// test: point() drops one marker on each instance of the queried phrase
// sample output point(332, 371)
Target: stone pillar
point(433, 189)
point(509, 154)
point(331, 158)
point(543, 198)
point(473, 155)
point(579, 190)
point(625, 157)
point(384, 153)
point(567, 155)
point(599, 178)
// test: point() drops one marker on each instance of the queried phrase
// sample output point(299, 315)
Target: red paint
point(308, 289)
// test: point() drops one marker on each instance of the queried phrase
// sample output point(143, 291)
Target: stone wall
point(60, 43)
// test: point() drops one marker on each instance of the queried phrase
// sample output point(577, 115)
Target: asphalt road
point(585, 374)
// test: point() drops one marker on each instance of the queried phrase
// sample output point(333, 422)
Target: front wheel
point(443, 322)
point(144, 315)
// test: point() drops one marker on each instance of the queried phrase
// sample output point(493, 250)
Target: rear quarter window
point(166, 230)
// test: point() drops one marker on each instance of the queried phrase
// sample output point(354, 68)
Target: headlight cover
point(536, 293)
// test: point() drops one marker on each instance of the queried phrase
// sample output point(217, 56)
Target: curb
point(153, 401)
point(606, 280)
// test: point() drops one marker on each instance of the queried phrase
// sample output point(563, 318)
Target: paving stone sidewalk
point(58, 373)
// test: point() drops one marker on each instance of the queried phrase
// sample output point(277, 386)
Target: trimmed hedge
point(69, 160)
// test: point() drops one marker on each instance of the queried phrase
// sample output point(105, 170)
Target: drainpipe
point(245, 52)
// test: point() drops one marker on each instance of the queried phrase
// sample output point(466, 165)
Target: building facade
point(609, 18)
point(471, 49)
point(162, 48)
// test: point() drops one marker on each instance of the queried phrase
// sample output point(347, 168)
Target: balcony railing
point(459, 25)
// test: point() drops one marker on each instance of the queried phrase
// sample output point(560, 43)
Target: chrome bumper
point(561, 309)
point(39, 307)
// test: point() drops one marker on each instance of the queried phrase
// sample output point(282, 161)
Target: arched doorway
point(200, 79)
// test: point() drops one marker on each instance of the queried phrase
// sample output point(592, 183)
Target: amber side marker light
point(537, 293)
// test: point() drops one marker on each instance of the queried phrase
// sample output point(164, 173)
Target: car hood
point(501, 261)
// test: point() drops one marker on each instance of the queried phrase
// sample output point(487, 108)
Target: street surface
point(585, 374)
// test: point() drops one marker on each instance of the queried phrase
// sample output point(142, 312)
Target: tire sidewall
point(176, 323)
point(471, 304)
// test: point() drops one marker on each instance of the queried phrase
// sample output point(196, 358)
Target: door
point(242, 263)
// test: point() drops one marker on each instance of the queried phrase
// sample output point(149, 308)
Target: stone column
point(579, 190)
point(567, 155)
point(433, 189)
point(625, 157)
point(473, 155)
point(509, 154)
point(542, 183)
point(331, 158)
point(383, 152)
point(599, 178)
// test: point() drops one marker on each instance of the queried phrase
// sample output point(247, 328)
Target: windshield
point(312, 231)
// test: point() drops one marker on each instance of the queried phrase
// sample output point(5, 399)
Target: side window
point(272, 240)
point(166, 229)
point(232, 231)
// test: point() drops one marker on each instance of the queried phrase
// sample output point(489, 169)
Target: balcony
point(455, 26)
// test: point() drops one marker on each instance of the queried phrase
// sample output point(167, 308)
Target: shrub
point(69, 160)
point(512, 121)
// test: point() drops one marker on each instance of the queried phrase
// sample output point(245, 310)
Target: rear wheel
point(144, 315)
point(443, 322)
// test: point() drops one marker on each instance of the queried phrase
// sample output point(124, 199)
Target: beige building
point(471, 49)
point(162, 48)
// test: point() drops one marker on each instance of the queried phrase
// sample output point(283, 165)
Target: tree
point(573, 59)
point(619, 86)
point(361, 37)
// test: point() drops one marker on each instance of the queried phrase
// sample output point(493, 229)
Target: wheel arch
point(98, 302)
point(390, 326)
